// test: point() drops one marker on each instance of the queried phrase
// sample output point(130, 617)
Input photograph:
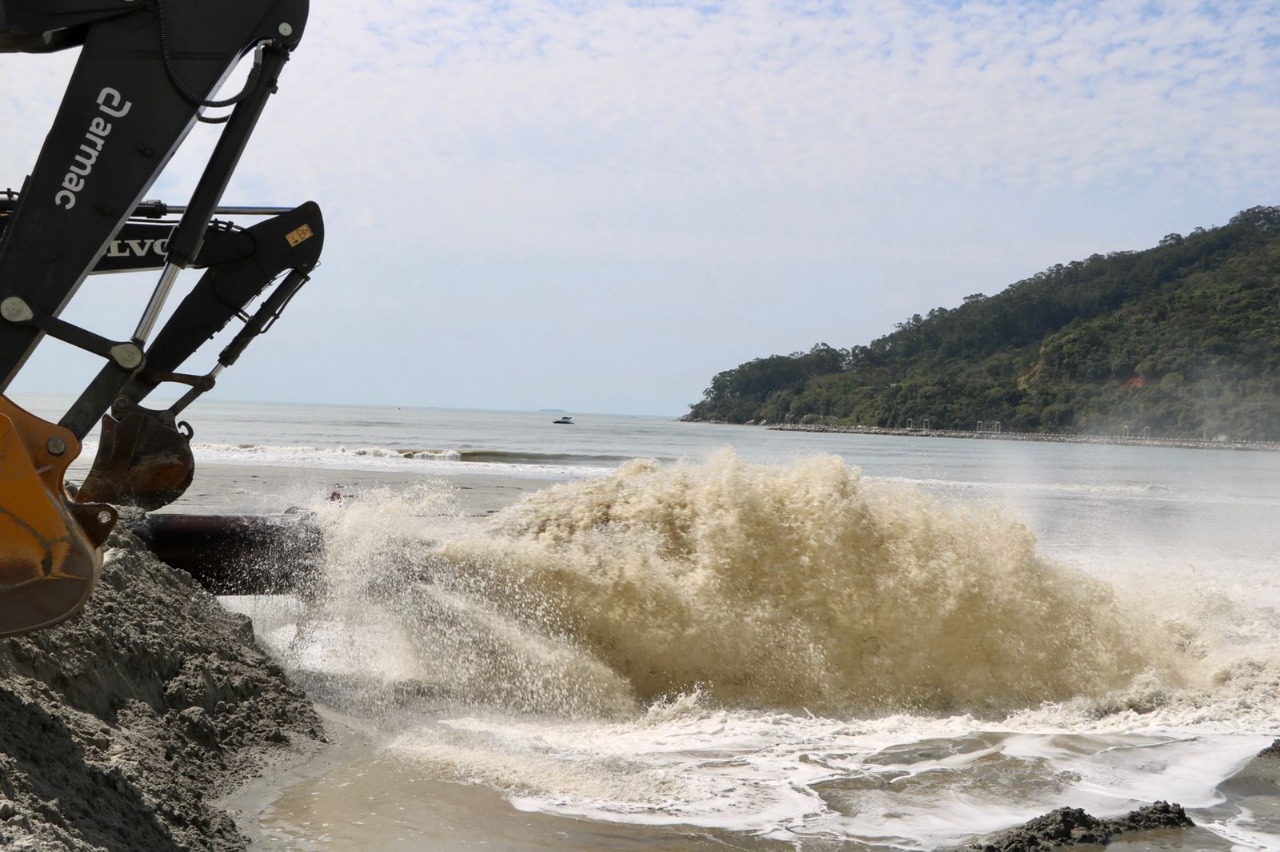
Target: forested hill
point(1182, 339)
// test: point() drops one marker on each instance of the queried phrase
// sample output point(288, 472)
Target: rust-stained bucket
point(144, 459)
point(50, 549)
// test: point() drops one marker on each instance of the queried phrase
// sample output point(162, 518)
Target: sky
point(597, 206)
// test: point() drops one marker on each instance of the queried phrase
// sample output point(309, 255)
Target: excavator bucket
point(144, 459)
point(51, 557)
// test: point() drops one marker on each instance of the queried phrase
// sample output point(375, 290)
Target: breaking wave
point(806, 587)
point(405, 459)
point(799, 587)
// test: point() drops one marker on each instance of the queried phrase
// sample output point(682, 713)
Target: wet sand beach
point(221, 489)
point(353, 796)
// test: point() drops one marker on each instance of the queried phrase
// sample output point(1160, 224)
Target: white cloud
point(843, 164)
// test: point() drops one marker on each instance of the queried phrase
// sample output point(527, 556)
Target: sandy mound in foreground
point(119, 726)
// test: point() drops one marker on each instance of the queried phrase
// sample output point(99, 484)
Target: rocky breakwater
point(121, 727)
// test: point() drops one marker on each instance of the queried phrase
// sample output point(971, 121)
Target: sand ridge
point(122, 724)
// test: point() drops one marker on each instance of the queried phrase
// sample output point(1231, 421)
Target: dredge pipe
point(240, 554)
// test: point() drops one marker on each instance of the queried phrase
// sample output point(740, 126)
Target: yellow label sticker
point(299, 235)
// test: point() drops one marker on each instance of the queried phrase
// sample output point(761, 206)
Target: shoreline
point(992, 435)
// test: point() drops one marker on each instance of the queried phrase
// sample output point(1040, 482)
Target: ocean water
point(819, 641)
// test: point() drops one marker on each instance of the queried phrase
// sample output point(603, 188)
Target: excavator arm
point(144, 455)
point(145, 74)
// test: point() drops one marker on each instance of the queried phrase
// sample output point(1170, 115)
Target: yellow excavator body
point(50, 552)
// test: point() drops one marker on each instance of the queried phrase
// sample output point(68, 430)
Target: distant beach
point(994, 435)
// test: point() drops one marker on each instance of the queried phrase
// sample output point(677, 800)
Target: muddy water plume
point(801, 587)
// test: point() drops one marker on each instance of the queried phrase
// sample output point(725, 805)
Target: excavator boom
point(144, 456)
point(146, 73)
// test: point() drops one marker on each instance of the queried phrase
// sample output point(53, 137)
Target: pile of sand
point(119, 728)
